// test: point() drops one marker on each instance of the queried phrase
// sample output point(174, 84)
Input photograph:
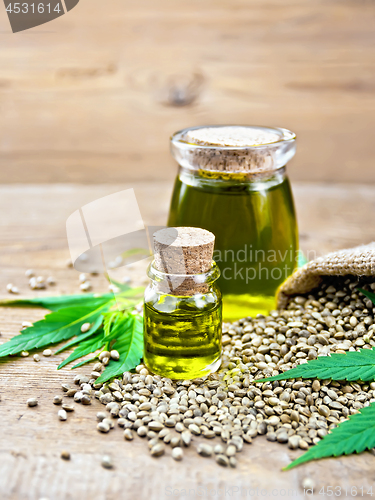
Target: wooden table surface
point(32, 226)
point(109, 82)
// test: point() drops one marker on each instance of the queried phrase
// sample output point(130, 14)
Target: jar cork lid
point(233, 149)
point(183, 250)
point(232, 136)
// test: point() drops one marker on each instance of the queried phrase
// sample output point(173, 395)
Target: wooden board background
point(93, 96)
point(32, 225)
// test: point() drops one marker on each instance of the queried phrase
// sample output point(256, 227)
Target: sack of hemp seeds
point(358, 261)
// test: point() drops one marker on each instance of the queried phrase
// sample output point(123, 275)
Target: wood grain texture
point(93, 96)
point(32, 228)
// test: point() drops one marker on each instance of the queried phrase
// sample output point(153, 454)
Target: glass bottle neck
point(254, 182)
point(180, 284)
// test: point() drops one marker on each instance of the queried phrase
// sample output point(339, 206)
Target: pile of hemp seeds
point(225, 411)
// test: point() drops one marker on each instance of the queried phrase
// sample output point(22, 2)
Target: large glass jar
point(232, 181)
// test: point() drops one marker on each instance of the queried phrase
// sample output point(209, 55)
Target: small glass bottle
point(182, 305)
point(232, 181)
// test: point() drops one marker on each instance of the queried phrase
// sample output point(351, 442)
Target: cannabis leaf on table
point(356, 434)
point(352, 436)
point(355, 365)
point(114, 324)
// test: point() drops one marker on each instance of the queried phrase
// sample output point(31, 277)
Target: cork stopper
point(183, 251)
point(235, 136)
point(224, 150)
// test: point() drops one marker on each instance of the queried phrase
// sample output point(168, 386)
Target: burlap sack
point(358, 261)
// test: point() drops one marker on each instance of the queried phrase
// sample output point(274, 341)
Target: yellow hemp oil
point(183, 309)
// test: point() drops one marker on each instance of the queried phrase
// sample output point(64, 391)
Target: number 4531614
point(33, 8)
point(339, 491)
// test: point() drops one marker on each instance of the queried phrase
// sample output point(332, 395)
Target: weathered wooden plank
point(84, 100)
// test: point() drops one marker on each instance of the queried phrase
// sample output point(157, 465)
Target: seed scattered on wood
point(230, 451)
point(101, 415)
point(85, 287)
point(157, 450)
point(98, 367)
point(222, 460)
point(85, 327)
point(293, 442)
point(32, 402)
point(37, 283)
point(36, 358)
point(186, 437)
point(176, 442)
point(25, 354)
point(109, 422)
point(142, 431)
point(303, 444)
point(47, 353)
point(82, 277)
point(67, 407)
point(27, 324)
point(86, 400)
point(104, 354)
point(29, 273)
point(155, 426)
point(57, 400)
point(103, 427)
point(62, 415)
point(153, 442)
point(107, 462)
point(115, 355)
point(194, 429)
point(205, 450)
point(177, 453)
point(308, 483)
point(65, 455)
point(12, 289)
point(51, 281)
point(128, 435)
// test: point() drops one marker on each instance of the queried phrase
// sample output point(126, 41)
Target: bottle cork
point(231, 136)
point(183, 251)
point(250, 151)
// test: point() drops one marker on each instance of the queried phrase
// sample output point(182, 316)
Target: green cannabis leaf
point(85, 347)
point(130, 348)
point(355, 365)
point(367, 294)
point(82, 336)
point(55, 327)
point(56, 303)
point(109, 326)
point(301, 259)
point(354, 435)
